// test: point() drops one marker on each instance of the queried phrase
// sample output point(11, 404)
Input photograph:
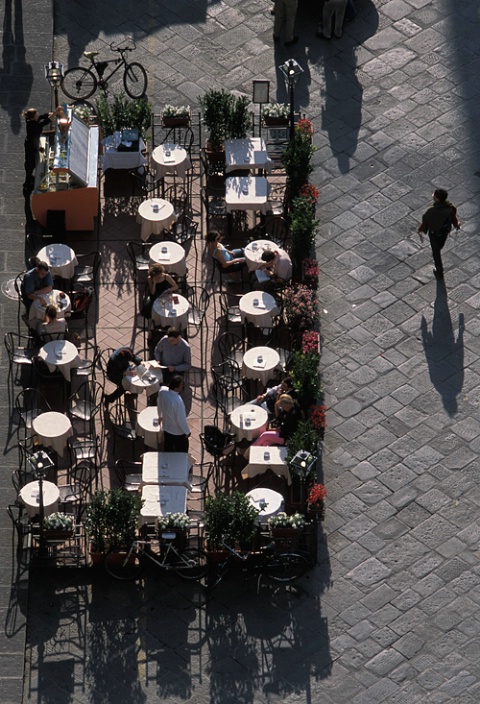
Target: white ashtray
point(164, 250)
point(266, 456)
point(248, 422)
point(259, 359)
point(255, 301)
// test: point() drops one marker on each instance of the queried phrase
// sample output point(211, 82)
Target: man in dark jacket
point(437, 222)
point(120, 362)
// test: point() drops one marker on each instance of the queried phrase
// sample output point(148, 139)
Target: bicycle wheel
point(191, 564)
point(286, 567)
point(135, 80)
point(79, 83)
point(122, 565)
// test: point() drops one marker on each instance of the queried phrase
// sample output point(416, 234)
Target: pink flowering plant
point(311, 272)
point(310, 342)
point(301, 306)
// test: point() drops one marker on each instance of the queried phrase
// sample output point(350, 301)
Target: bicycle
point(190, 563)
point(79, 83)
point(276, 567)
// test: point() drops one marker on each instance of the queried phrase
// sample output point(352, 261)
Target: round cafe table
point(147, 379)
point(170, 159)
point(267, 501)
point(253, 253)
point(249, 421)
point(147, 429)
point(61, 258)
point(155, 221)
point(59, 298)
point(259, 308)
point(166, 313)
point(171, 256)
point(53, 430)
point(61, 355)
point(259, 363)
point(30, 495)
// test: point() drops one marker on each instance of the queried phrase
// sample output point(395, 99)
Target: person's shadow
point(443, 353)
point(16, 76)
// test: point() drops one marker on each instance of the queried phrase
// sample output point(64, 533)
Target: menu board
point(78, 150)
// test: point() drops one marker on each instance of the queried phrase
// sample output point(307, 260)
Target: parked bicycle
point(276, 567)
point(189, 563)
point(80, 83)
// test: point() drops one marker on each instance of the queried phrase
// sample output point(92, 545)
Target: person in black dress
point(158, 283)
point(34, 123)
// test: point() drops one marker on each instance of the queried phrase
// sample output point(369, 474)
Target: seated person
point(158, 283)
point(52, 323)
point(278, 267)
point(229, 259)
point(287, 416)
point(268, 399)
point(120, 363)
point(174, 353)
point(36, 283)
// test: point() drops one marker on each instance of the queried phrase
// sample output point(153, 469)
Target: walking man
point(171, 411)
point(333, 14)
point(285, 13)
point(437, 222)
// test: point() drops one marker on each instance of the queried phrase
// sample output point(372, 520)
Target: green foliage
point(122, 112)
point(304, 373)
point(225, 116)
point(304, 226)
point(230, 518)
point(304, 438)
point(111, 518)
point(297, 162)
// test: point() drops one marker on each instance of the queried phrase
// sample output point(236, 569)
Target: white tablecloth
point(260, 314)
point(161, 499)
point(62, 355)
point(155, 222)
point(30, 495)
point(147, 429)
point(177, 162)
point(166, 313)
point(252, 424)
point(113, 159)
point(53, 430)
point(171, 256)
point(259, 363)
point(148, 380)
point(246, 193)
point(61, 258)
point(262, 458)
point(271, 502)
point(254, 251)
point(59, 298)
point(246, 154)
point(169, 468)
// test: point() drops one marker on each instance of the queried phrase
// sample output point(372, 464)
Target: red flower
point(317, 494)
point(305, 126)
point(318, 416)
point(310, 340)
point(309, 191)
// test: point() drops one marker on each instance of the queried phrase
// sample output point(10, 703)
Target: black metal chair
point(231, 346)
point(29, 404)
point(218, 444)
point(82, 298)
point(199, 299)
point(228, 386)
point(123, 422)
point(230, 310)
point(85, 403)
point(129, 474)
point(86, 271)
point(20, 352)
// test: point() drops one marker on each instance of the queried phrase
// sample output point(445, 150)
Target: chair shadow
point(444, 354)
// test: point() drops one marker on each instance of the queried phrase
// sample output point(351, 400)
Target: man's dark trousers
point(437, 242)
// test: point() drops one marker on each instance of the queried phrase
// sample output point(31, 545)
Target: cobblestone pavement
point(389, 615)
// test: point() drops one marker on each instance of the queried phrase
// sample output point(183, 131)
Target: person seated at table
point(287, 417)
point(230, 259)
point(121, 362)
point(53, 324)
point(36, 283)
point(173, 416)
point(277, 265)
point(158, 283)
point(268, 399)
point(174, 353)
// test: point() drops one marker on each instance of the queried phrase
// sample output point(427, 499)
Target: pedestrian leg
point(437, 243)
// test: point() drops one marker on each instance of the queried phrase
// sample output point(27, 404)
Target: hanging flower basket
point(173, 116)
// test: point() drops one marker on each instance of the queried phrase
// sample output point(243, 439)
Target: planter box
point(57, 536)
point(276, 121)
point(317, 511)
point(176, 121)
point(285, 538)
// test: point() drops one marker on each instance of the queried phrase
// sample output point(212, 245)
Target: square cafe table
point(246, 193)
point(262, 458)
point(169, 468)
point(160, 499)
point(250, 153)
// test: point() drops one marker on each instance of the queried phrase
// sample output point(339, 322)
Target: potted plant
point(111, 520)
point(225, 116)
point(316, 500)
point(231, 519)
point(275, 114)
point(297, 161)
point(178, 523)
point(305, 438)
point(121, 113)
point(58, 526)
point(176, 116)
point(300, 307)
point(285, 530)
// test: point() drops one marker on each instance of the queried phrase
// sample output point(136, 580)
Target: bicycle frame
point(138, 545)
point(100, 67)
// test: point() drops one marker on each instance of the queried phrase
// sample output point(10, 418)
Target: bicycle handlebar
point(123, 48)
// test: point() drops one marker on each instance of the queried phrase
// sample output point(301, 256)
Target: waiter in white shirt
point(171, 412)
